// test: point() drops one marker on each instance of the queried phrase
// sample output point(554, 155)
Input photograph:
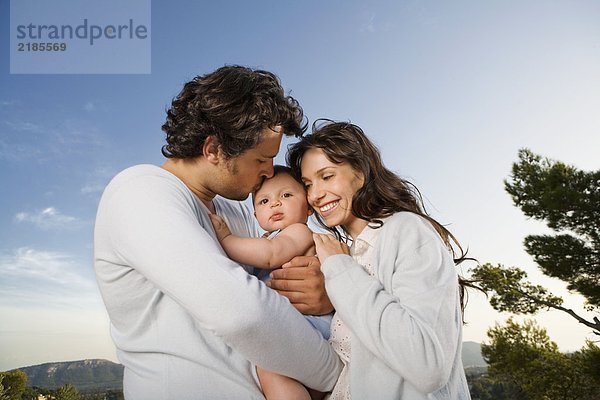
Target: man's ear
point(211, 150)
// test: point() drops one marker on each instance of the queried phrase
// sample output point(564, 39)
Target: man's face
point(243, 174)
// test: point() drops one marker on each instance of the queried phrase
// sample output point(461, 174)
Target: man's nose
point(269, 171)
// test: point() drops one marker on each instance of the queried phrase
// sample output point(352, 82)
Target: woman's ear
point(361, 178)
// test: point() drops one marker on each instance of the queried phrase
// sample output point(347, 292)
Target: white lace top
point(363, 252)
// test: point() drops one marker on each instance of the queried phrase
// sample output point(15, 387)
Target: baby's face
point(280, 202)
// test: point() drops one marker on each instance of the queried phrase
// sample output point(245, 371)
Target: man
point(189, 323)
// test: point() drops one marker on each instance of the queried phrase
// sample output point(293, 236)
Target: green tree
point(524, 357)
point(3, 390)
point(587, 362)
point(67, 392)
point(31, 393)
point(484, 388)
point(568, 200)
point(13, 384)
point(115, 395)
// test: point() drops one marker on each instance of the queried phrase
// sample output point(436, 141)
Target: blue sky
point(448, 90)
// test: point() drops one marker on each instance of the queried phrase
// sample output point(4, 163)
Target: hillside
point(84, 374)
point(471, 355)
point(103, 374)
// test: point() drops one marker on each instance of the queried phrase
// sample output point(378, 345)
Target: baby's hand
point(221, 228)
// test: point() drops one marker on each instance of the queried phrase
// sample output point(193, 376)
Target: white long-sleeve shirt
point(189, 323)
point(404, 318)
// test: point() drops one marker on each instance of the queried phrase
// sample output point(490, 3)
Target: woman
point(397, 296)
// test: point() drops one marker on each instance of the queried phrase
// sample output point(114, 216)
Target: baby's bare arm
point(292, 241)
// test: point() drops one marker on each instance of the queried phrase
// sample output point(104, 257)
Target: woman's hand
point(328, 245)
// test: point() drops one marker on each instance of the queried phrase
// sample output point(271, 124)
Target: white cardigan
point(406, 319)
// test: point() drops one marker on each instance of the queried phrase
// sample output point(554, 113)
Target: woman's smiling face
point(330, 189)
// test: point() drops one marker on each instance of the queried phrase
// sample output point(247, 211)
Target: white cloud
point(369, 26)
point(98, 179)
point(28, 263)
point(11, 151)
point(76, 135)
point(90, 188)
point(49, 218)
point(24, 126)
point(45, 278)
point(8, 103)
point(24, 140)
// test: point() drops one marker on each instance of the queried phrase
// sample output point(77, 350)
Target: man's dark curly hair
point(233, 103)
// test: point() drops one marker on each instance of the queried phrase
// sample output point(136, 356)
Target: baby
point(281, 209)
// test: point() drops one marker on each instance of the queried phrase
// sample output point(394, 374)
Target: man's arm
point(294, 240)
point(303, 283)
point(153, 229)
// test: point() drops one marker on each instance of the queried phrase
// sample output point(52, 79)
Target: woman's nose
point(314, 194)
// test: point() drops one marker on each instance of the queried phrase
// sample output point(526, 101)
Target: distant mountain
point(84, 374)
point(471, 355)
point(103, 374)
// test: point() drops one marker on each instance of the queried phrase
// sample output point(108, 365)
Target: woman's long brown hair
point(383, 193)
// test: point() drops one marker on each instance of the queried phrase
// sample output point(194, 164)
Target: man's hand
point(221, 228)
point(303, 283)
